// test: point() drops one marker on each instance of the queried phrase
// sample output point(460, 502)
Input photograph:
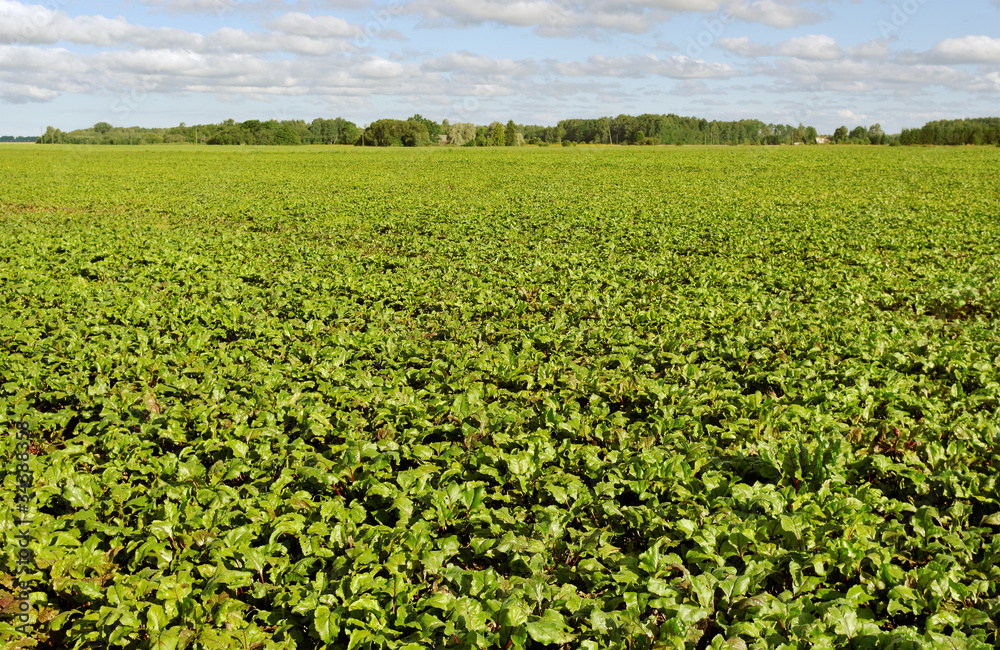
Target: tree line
point(256, 132)
point(669, 129)
point(979, 130)
point(418, 131)
point(861, 135)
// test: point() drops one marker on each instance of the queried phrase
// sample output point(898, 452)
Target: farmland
point(477, 398)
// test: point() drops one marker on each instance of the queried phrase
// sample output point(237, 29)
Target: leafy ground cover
point(587, 398)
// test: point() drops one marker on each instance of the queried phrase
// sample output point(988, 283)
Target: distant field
point(583, 397)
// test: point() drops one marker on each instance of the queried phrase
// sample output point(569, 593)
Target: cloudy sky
point(900, 63)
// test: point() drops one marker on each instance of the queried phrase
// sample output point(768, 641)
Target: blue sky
point(899, 63)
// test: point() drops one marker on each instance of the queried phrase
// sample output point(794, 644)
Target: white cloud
point(814, 46)
point(773, 13)
point(469, 68)
point(292, 32)
point(194, 6)
point(677, 67)
point(317, 26)
point(221, 8)
point(555, 87)
point(989, 82)
point(557, 17)
point(851, 116)
point(16, 93)
point(164, 66)
point(35, 24)
point(693, 87)
point(22, 60)
point(743, 46)
point(236, 40)
point(131, 77)
point(493, 90)
point(476, 64)
point(853, 76)
point(878, 49)
point(667, 5)
point(967, 49)
point(348, 4)
point(472, 12)
point(379, 68)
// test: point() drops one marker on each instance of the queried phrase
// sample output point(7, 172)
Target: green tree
point(396, 133)
point(496, 135)
point(254, 130)
point(347, 131)
point(840, 135)
point(602, 130)
point(383, 133)
point(227, 134)
point(102, 127)
point(461, 133)
point(415, 134)
point(323, 131)
point(875, 134)
point(510, 134)
point(286, 134)
point(433, 128)
point(52, 136)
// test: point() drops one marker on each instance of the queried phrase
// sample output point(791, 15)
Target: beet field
point(600, 398)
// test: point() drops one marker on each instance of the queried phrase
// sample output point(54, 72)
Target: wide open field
point(573, 397)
